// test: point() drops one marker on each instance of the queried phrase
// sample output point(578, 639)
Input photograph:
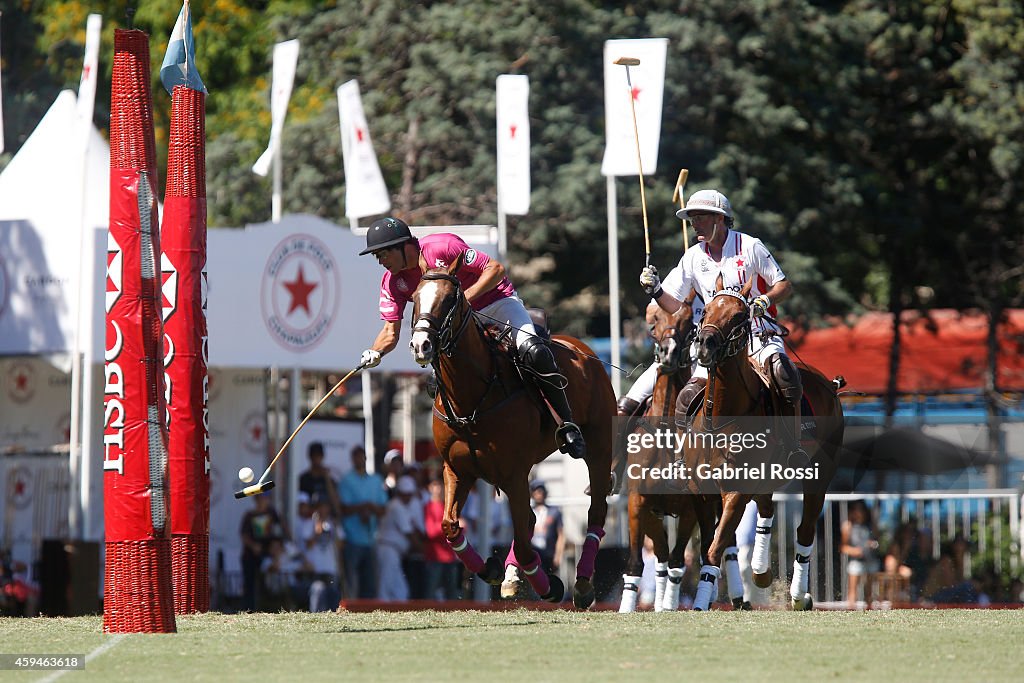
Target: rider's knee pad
point(786, 377)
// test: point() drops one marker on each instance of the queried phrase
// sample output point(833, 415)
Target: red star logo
point(21, 381)
point(19, 487)
point(256, 433)
point(636, 92)
point(512, 131)
point(739, 262)
point(359, 134)
point(300, 291)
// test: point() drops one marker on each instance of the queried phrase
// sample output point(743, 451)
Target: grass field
point(896, 645)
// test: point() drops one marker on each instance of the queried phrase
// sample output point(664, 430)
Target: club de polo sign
point(299, 292)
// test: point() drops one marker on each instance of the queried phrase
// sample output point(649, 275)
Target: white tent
point(41, 210)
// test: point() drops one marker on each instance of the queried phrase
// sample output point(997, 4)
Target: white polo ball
point(245, 474)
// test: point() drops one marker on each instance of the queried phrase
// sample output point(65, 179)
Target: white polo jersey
point(743, 258)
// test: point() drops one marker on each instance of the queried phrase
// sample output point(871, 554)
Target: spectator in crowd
point(362, 498)
point(946, 583)
point(19, 597)
point(401, 529)
point(283, 570)
point(323, 541)
point(413, 563)
point(260, 525)
point(919, 557)
point(443, 569)
point(548, 537)
point(394, 467)
point(317, 481)
point(858, 544)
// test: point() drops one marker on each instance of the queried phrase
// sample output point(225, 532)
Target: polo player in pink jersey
point(488, 291)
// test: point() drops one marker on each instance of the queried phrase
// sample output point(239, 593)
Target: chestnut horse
point(672, 333)
point(735, 392)
point(489, 424)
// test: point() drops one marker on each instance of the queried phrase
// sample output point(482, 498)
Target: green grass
point(542, 646)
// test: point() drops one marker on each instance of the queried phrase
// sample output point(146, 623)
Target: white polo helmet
point(706, 200)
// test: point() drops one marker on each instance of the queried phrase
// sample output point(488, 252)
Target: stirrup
point(797, 458)
point(432, 384)
point(570, 440)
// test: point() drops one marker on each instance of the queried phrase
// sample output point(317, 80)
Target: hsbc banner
point(134, 433)
point(238, 438)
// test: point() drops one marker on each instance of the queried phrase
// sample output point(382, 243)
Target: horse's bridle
point(737, 340)
point(439, 330)
point(684, 347)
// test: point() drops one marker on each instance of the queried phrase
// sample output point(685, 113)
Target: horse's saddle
point(504, 337)
point(771, 401)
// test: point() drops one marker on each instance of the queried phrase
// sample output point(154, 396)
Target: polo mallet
point(264, 484)
point(628, 62)
point(679, 195)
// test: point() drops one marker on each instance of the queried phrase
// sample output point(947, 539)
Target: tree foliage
point(875, 147)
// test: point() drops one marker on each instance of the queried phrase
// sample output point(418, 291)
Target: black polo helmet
point(386, 232)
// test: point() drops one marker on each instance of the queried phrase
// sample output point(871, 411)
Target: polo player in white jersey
point(721, 251)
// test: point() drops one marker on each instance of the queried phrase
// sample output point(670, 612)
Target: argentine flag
point(179, 67)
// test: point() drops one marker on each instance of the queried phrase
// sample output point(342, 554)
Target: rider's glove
point(370, 358)
point(759, 306)
point(650, 281)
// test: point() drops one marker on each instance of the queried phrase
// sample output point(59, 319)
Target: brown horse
point(489, 424)
point(737, 397)
point(672, 333)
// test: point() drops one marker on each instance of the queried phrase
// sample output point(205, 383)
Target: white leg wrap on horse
point(733, 577)
point(675, 581)
point(630, 590)
point(660, 579)
point(707, 587)
point(801, 570)
point(761, 560)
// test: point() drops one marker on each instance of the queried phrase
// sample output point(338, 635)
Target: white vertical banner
point(365, 191)
point(646, 86)
point(513, 123)
point(87, 86)
point(286, 57)
point(1, 96)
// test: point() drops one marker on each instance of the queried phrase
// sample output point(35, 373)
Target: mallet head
point(256, 489)
point(627, 61)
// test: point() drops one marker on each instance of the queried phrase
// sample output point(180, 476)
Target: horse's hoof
point(583, 594)
point(738, 604)
point(556, 590)
point(763, 580)
point(746, 606)
point(492, 573)
point(803, 604)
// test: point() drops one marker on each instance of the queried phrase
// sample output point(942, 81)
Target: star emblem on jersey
point(739, 261)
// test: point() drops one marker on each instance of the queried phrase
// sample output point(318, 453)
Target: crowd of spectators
point(371, 536)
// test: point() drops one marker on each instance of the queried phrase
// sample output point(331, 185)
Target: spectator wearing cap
point(363, 498)
point(548, 537)
point(317, 481)
point(394, 465)
point(401, 529)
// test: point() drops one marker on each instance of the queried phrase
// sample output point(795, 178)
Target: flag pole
point(275, 198)
point(613, 283)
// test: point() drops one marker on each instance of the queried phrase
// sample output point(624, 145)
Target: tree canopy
point(875, 147)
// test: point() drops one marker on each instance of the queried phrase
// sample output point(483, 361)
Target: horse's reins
point(447, 341)
point(738, 339)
